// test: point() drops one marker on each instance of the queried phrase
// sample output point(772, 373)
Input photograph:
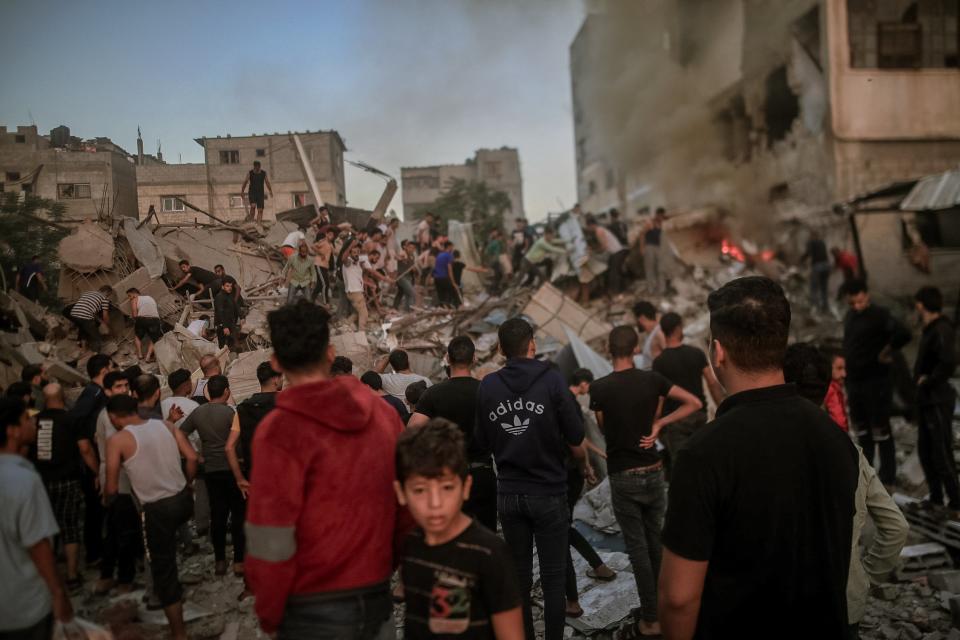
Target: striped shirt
point(89, 305)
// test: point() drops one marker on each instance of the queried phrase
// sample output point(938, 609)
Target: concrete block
point(945, 581)
point(65, 373)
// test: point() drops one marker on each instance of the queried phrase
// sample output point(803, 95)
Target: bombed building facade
point(215, 184)
point(772, 110)
point(498, 168)
point(88, 177)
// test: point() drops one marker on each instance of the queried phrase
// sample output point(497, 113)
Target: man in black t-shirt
point(196, 280)
point(626, 403)
point(257, 179)
point(59, 453)
point(762, 499)
point(455, 399)
point(458, 576)
point(686, 367)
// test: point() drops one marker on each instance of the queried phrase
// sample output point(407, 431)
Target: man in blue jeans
point(626, 403)
point(530, 421)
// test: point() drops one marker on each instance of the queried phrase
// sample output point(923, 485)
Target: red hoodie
point(836, 404)
point(322, 514)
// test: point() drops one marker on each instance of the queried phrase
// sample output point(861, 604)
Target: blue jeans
point(639, 503)
point(405, 293)
point(359, 614)
point(546, 519)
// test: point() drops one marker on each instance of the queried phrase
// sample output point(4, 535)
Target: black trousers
point(122, 541)
point(615, 271)
point(577, 541)
point(161, 520)
point(870, 401)
point(92, 518)
point(482, 504)
point(224, 340)
point(225, 500)
point(935, 449)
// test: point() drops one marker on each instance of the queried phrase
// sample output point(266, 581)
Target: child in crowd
point(836, 401)
point(458, 576)
point(413, 392)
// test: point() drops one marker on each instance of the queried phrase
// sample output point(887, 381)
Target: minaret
point(159, 153)
point(139, 147)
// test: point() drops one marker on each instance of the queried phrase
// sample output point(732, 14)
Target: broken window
point(236, 201)
point(172, 203)
point(904, 34)
point(20, 138)
point(781, 107)
point(230, 157)
point(13, 176)
point(939, 229)
point(299, 199)
point(73, 191)
point(261, 153)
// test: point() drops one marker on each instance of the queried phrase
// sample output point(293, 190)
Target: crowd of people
point(748, 525)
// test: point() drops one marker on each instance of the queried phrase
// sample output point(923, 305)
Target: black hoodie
point(249, 413)
point(527, 417)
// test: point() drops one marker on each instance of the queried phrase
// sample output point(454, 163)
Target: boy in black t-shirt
point(457, 575)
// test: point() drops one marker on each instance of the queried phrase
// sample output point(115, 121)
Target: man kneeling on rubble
point(322, 516)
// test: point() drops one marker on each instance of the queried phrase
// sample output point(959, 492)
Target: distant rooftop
point(201, 141)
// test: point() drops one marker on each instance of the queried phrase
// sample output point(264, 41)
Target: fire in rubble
point(748, 255)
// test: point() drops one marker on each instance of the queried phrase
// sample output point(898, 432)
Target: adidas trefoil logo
point(518, 426)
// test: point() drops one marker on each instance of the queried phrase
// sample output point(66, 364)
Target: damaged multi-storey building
point(89, 177)
point(214, 185)
point(499, 169)
point(770, 109)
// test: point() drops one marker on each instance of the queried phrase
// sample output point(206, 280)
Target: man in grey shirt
point(212, 422)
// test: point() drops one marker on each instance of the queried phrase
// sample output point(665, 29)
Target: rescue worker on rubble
point(226, 314)
point(256, 178)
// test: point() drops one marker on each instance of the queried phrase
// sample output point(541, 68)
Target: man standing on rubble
point(150, 451)
point(816, 252)
point(936, 362)
point(648, 324)
point(529, 420)
point(537, 263)
point(870, 336)
point(30, 279)
point(616, 254)
point(257, 179)
point(758, 531)
point(455, 399)
point(352, 271)
point(90, 311)
point(312, 578)
point(651, 246)
point(226, 314)
point(626, 403)
point(687, 367)
point(250, 413)
point(301, 274)
point(146, 322)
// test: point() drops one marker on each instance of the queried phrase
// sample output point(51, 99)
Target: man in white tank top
point(150, 452)
point(146, 322)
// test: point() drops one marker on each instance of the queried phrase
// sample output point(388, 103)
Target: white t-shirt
point(353, 275)
point(293, 239)
point(187, 405)
point(396, 383)
point(608, 241)
point(197, 326)
point(147, 307)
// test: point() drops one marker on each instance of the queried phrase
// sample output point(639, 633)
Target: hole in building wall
point(779, 191)
point(781, 107)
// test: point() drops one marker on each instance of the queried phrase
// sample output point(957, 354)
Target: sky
point(405, 82)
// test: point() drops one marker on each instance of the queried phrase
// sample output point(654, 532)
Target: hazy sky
point(405, 82)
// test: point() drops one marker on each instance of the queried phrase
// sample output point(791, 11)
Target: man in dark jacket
point(529, 420)
point(870, 336)
point(935, 363)
point(226, 314)
point(249, 414)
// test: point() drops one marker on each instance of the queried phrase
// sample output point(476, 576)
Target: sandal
point(592, 573)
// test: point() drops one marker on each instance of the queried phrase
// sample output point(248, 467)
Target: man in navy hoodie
point(529, 420)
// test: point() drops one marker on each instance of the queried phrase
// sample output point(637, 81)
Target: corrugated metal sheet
point(934, 193)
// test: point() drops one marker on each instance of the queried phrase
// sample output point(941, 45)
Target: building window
point(300, 199)
point(899, 46)
point(20, 138)
point(73, 191)
point(13, 176)
point(493, 170)
point(230, 157)
point(261, 153)
point(172, 203)
point(236, 201)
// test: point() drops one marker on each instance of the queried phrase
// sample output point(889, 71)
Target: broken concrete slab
point(144, 247)
point(89, 248)
point(64, 373)
point(948, 580)
point(605, 604)
point(208, 247)
point(596, 509)
point(242, 373)
point(354, 345)
point(550, 310)
point(168, 304)
point(181, 349)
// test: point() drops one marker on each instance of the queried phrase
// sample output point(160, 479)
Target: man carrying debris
point(146, 322)
point(226, 314)
point(90, 311)
point(150, 452)
point(257, 179)
point(626, 403)
point(396, 383)
point(537, 263)
point(250, 413)
point(301, 274)
point(936, 362)
point(213, 422)
point(527, 418)
point(30, 279)
point(322, 572)
point(616, 254)
point(870, 336)
point(196, 280)
point(759, 526)
point(687, 367)
point(407, 272)
point(651, 246)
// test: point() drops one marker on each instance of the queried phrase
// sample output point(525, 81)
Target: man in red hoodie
point(322, 518)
